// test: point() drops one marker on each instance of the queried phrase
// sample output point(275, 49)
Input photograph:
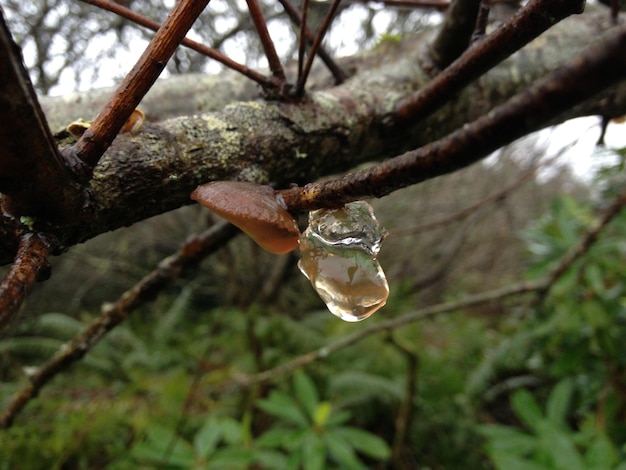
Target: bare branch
point(315, 47)
point(266, 40)
point(585, 242)
point(98, 137)
point(30, 265)
point(196, 46)
point(455, 33)
point(338, 73)
point(194, 250)
point(597, 68)
point(530, 22)
point(481, 20)
point(154, 170)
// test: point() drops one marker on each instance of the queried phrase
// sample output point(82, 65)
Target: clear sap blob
point(339, 249)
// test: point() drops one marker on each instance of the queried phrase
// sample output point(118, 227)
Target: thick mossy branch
point(156, 169)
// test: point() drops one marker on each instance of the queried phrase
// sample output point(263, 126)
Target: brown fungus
point(255, 209)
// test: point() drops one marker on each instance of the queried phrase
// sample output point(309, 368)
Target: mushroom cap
point(255, 209)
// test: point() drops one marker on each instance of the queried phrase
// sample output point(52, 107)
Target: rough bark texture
point(156, 169)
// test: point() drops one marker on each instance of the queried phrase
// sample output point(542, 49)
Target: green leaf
point(526, 408)
point(162, 447)
point(231, 458)
point(509, 440)
point(278, 437)
point(594, 276)
point(270, 459)
point(313, 452)
point(282, 438)
point(342, 452)
point(306, 392)
point(560, 448)
point(601, 454)
point(558, 402)
point(338, 417)
point(206, 439)
point(364, 442)
point(282, 406)
point(321, 414)
point(231, 431)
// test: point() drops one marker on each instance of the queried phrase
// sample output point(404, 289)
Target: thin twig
point(30, 265)
point(196, 46)
point(302, 39)
point(481, 20)
point(529, 22)
point(266, 40)
point(586, 241)
point(299, 90)
point(454, 35)
point(467, 211)
point(439, 5)
point(337, 72)
point(190, 254)
point(389, 325)
point(592, 71)
point(105, 127)
point(406, 410)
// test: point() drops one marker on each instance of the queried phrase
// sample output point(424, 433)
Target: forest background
point(473, 363)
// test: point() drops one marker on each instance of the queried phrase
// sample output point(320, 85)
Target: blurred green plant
point(314, 433)
point(550, 443)
point(307, 433)
point(573, 338)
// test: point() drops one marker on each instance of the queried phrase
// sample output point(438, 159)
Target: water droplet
point(339, 249)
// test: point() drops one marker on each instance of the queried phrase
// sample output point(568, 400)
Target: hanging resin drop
point(339, 249)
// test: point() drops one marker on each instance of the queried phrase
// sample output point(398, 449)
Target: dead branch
point(196, 46)
point(155, 170)
point(299, 19)
point(526, 25)
point(29, 266)
point(266, 41)
point(455, 33)
point(302, 78)
point(194, 250)
point(98, 137)
point(597, 68)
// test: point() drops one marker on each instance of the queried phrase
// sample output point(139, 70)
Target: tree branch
point(194, 250)
point(596, 69)
point(455, 33)
point(30, 265)
point(266, 41)
point(532, 20)
point(155, 170)
point(295, 17)
point(302, 78)
point(106, 126)
point(196, 46)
